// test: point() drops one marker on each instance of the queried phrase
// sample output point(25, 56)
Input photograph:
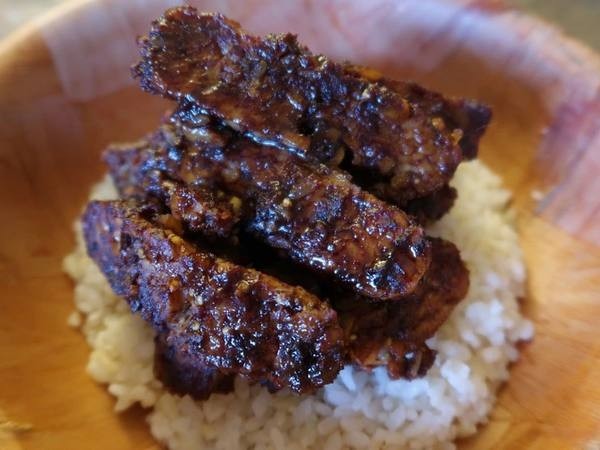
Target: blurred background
point(580, 18)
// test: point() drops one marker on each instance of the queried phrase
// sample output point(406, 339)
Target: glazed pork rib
point(405, 142)
point(314, 214)
point(215, 314)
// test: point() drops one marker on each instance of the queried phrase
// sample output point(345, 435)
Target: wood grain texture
point(63, 97)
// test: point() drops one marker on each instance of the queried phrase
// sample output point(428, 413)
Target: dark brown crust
point(383, 334)
point(187, 376)
point(386, 334)
point(404, 139)
point(271, 144)
point(208, 212)
point(218, 314)
point(432, 207)
point(394, 334)
point(469, 116)
point(312, 213)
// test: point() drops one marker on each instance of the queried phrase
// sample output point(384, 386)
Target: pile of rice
point(358, 410)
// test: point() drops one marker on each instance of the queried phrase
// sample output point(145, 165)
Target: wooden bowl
point(65, 93)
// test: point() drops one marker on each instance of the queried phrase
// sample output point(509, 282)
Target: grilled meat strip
point(313, 213)
point(404, 140)
point(376, 334)
point(217, 315)
point(390, 334)
point(394, 334)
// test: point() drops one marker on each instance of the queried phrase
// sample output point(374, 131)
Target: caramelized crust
point(293, 169)
point(394, 334)
point(432, 207)
point(403, 140)
point(184, 375)
point(314, 214)
point(390, 334)
point(215, 314)
point(208, 212)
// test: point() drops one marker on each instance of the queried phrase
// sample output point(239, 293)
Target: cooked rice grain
point(359, 410)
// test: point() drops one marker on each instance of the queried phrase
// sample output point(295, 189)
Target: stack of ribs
point(272, 227)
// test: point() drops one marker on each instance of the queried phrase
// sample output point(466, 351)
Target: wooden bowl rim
point(586, 64)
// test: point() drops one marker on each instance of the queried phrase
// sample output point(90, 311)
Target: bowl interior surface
point(65, 94)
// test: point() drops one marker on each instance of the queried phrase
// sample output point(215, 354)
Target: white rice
point(358, 410)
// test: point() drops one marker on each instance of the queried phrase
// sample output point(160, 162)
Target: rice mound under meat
point(360, 409)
